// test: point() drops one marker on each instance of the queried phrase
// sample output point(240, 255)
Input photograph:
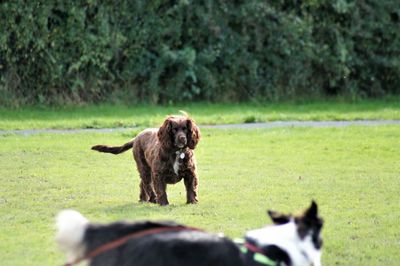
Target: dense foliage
point(57, 51)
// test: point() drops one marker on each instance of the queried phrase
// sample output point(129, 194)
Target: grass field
point(352, 172)
point(145, 116)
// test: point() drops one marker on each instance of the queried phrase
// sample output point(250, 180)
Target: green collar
point(257, 256)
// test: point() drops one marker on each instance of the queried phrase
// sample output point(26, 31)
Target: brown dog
point(164, 156)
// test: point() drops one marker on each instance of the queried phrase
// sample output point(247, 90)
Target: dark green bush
point(56, 51)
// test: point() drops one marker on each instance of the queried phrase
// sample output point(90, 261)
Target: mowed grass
point(149, 116)
point(352, 172)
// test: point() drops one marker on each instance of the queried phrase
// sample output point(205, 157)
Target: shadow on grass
point(141, 210)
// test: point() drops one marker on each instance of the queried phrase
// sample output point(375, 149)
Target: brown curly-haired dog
point(164, 156)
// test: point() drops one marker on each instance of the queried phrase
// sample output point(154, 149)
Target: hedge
point(59, 52)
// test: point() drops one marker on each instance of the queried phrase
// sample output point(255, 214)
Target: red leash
point(120, 241)
point(253, 248)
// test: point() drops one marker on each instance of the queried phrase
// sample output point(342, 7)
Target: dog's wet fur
point(164, 156)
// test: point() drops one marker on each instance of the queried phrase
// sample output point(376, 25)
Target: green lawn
point(352, 172)
point(145, 116)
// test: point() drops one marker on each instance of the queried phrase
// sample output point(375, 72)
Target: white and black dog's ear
point(71, 227)
point(309, 223)
point(279, 218)
point(312, 211)
point(310, 217)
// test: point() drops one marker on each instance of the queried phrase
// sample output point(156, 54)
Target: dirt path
point(311, 124)
point(28, 132)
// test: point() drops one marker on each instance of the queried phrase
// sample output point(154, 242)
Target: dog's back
point(171, 247)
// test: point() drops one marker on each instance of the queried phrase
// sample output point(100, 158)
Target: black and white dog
point(292, 240)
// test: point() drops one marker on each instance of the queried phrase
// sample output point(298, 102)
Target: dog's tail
point(114, 150)
point(71, 228)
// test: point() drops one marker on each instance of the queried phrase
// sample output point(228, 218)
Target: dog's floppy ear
point(194, 133)
point(164, 133)
point(278, 218)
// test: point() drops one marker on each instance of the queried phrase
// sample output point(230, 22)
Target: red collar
point(120, 241)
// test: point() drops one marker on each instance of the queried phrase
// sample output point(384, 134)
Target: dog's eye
point(184, 128)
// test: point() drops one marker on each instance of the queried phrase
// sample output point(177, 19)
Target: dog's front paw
point(163, 201)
